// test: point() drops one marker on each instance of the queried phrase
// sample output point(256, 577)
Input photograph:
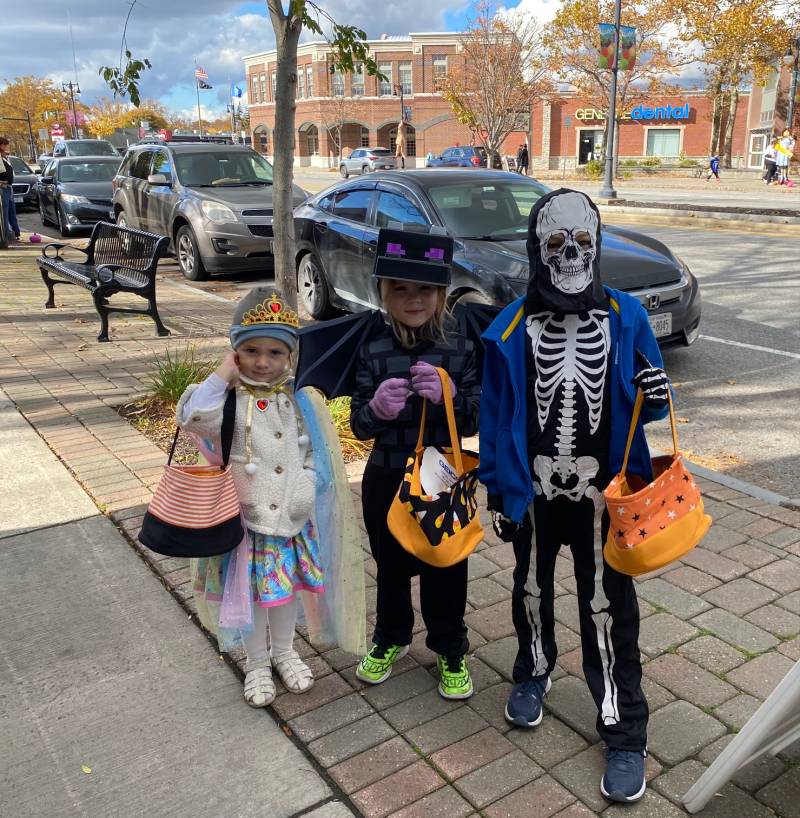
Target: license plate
point(18, 199)
point(661, 324)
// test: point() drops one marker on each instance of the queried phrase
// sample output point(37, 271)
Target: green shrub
point(651, 162)
point(629, 163)
point(626, 174)
point(174, 371)
point(594, 168)
point(352, 447)
point(683, 162)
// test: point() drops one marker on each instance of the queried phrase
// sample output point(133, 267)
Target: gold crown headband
point(272, 310)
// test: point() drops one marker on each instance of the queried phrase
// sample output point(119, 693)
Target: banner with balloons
point(605, 57)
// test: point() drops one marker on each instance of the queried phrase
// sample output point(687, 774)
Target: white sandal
point(259, 689)
point(295, 674)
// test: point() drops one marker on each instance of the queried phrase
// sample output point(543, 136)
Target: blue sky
point(173, 34)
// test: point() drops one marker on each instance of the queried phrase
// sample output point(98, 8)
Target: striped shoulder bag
point(195, 511)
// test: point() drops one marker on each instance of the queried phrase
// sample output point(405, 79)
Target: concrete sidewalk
point(113, 703)
point(719, 629)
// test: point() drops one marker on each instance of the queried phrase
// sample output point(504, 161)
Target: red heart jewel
point(275, 306)
point(262, 404)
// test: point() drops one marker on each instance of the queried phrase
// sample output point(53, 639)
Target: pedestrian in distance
point(559, 384)
point(785, 148)
point(522, 159)
point(7, 191)
point(394, 374)
point(770, 161)
point(288, 472)
point(400, 146)
point(713, 167)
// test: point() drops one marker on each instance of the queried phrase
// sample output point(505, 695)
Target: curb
point(745, 222)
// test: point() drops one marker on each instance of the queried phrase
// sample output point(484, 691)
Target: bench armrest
point(58, 246)
point(106, 273)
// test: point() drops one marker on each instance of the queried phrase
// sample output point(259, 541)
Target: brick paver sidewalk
point(719, 629)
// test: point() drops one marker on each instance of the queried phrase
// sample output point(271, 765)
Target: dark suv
point(461, 157)
point(213, 201)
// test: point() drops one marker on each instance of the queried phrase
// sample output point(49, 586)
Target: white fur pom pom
point(302, 440)
point(250, 468)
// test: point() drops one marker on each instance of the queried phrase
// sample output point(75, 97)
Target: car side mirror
point(159, 179)
point(38, 171)
point(47, 180)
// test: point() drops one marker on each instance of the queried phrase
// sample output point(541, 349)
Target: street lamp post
point(792, 60)
point(73, 89)
point(607, 191)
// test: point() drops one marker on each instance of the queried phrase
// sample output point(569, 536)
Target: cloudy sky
point(173, 34)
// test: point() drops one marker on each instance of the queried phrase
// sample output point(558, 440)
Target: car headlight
point(71, 198)
point(686, 273)
point(218, 213)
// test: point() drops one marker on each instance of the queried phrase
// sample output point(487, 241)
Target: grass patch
point(174, 371)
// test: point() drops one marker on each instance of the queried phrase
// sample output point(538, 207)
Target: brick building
point(411, 64)
point(563, 134)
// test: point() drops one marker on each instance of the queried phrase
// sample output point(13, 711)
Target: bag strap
point(449, 409)
point(637, 408)
point(226, 433)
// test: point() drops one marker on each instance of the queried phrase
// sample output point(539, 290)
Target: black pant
point(771, 168)
point(443, 591)
point(609, 615)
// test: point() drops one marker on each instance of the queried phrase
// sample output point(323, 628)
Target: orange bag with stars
point(653, 524)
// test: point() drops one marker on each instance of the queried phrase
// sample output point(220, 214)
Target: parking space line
point(754, 347)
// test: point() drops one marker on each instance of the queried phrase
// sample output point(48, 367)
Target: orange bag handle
point(637, 408)
point(451, 420)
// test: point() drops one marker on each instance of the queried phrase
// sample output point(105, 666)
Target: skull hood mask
point(564, 254)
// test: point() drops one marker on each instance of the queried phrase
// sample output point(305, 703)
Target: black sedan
point(487, 213)
point(75, 192)
point(25, 181)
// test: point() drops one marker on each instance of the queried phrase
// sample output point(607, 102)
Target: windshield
point(380, 151)
point(222, 169)
point(92, 148)
point(18, 165)
point(493, 211)
point(87, 171)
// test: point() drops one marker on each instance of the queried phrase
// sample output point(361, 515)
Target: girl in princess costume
point(301, 536)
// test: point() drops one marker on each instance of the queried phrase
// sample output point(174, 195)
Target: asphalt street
point(738, 386)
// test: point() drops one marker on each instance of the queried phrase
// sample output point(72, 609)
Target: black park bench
point(118, 260)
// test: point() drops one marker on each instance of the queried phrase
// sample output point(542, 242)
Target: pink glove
point(389, 398)
point(425, 381)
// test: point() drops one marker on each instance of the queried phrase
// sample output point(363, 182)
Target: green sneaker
point(376, 666)
point(455, 679)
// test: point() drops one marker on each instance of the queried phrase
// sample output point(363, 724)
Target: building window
point(263, 95)
point(312, 140)
point(404, 72)
point(364, 137)
point(337, 84)
point(254, 89)
point(411, 141)
point(357, 80)
point(273, 78)
point(439, 67)
point(385, 86)
point(310, 82)
point(664, 142)
point(301, 83)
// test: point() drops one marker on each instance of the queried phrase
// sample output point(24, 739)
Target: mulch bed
point(156, 421)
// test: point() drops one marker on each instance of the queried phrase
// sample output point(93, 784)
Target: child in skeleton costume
point(558, 390)
point(301, 533)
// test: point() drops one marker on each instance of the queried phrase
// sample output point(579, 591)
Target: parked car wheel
point(344, 173)
point(63, 227)
point(312, 287)
point(42, 215)
point(189, 259)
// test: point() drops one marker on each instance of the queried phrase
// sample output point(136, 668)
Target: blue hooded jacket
point(504, 466)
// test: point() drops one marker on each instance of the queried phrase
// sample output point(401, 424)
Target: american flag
point(201, 73)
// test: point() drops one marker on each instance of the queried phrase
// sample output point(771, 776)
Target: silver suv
point(213, 201)
point(364, 160)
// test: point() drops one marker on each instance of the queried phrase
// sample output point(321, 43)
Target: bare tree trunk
point(729, 125)
point(716, 117)
point(287, 34)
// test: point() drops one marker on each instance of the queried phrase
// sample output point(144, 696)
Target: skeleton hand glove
point(503, 527)
point(389, 398)
point(425, 381)
point(654, 383)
